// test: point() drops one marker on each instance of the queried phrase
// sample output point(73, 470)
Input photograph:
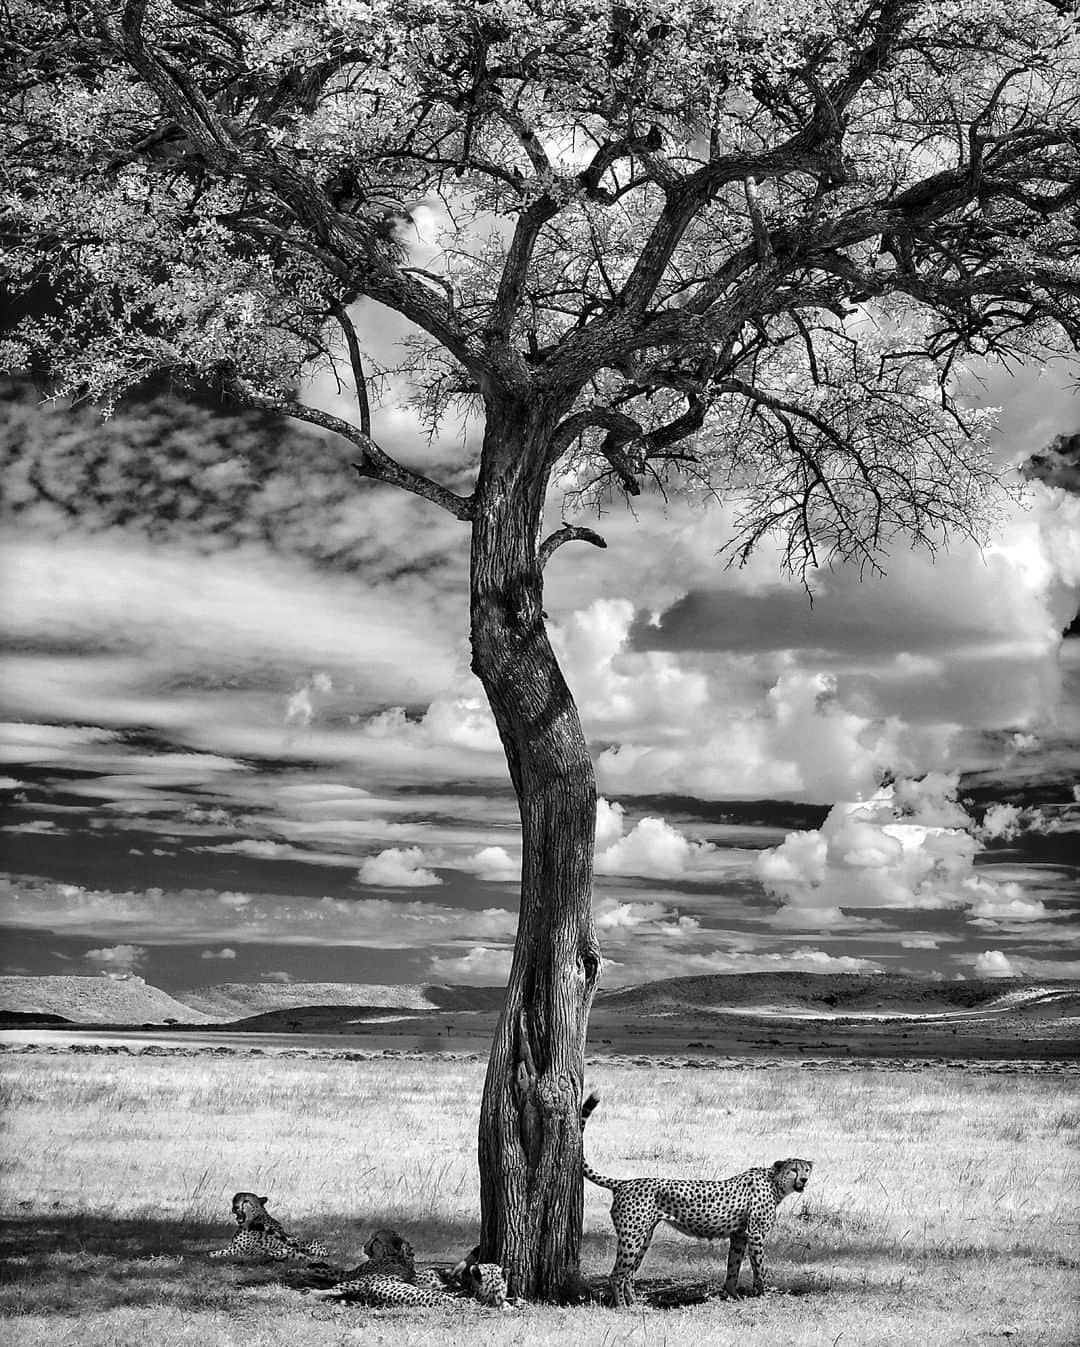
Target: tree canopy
point(736, 247)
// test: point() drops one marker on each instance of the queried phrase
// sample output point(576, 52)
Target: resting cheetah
point(742, 1209)
point(387, 1253)
point(261, 1236)
point(482, 1281)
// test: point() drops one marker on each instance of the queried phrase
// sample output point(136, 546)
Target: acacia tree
point(707, 245)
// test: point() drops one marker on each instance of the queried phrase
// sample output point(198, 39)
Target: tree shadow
point(79, 1264)
point(673, 1293)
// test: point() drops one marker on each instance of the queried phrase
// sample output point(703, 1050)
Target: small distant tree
point(712, 245)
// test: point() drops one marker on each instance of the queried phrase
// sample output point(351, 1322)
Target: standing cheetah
point(741, 1209)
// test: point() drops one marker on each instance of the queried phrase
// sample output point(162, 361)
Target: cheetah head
point(387, 1246)
point(485, 1282)
point(247, 1207)
point(791, 1176)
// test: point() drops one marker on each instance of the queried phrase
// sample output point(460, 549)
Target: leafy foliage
point(723, 245)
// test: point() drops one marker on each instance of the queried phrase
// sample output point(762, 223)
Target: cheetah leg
point(734, 1262)
point(757, 1259)
point(632, 1247)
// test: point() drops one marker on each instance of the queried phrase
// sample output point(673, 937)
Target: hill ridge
point(131, 1000)
point(95, 1000)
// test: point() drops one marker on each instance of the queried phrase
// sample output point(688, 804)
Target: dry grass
point(942, 1209)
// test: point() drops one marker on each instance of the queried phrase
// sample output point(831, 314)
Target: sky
point(241, 741)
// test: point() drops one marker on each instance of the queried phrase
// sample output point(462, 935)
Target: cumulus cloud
point(225, 953)
point(992, 963)
point(1001, 820)
point(651, 848)
point(679, 731)
point(491, 863)
point(298, 709)
point(899, 849)
point(619, 919)
point(1006, 822)
point(617, 688)
point(397, 867)
point(301, 706)
point(1003, 904)
point(117, 958)
point(1058, 464)
point(482, 966)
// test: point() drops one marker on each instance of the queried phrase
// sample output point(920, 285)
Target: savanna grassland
point(942, 1208)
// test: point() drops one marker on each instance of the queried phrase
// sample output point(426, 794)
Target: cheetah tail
point(587, 1170)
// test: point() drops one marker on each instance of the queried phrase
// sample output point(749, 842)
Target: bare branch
point(356, 361)
point(567, 534)
point(374, 463)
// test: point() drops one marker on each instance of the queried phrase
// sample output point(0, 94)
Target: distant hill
point(11, 1019)
point(240, 1000)
point(331, 1007)
point(95, 1000)
point(825, 994)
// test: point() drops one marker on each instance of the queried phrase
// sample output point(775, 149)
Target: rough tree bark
point(530, 1138)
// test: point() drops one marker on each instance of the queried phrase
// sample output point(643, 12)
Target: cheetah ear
point(778, 1165)
point(263, 1200)
point(474, 1274)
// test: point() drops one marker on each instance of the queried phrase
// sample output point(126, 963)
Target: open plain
point(942, 1208)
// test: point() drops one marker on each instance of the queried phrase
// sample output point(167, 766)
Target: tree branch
point(361, 249)
point(567, 534)
point(374, 463)
point(622, 429)
point(356, 361)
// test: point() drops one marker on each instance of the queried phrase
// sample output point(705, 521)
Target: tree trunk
point(530, 1135)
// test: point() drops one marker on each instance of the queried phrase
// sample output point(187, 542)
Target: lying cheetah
point(741, 1209)
point(260, 1236)
point(483, 1282)
point(387, 1253)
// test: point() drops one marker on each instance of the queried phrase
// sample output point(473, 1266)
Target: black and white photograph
point(540, 673)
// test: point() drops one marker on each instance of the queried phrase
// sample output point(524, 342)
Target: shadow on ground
point(84, 1264)
point(81, 1264)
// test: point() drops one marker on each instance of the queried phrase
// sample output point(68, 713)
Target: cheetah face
point(247, 1206)
point(385, 1245)
point(792, 1176)
point(486, 1283)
